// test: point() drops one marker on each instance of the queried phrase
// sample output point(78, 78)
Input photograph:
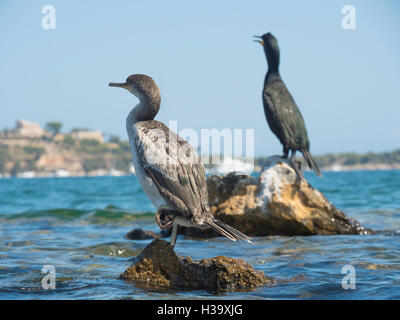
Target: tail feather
point(311, 162)
point(228, 231)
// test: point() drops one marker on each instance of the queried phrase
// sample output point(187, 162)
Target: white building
point(27, 129)
point(88, 135)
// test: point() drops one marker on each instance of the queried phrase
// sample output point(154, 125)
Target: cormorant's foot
point(296, 165)
point(163, 218)
point(285, 153)
point(167, 225)
point(174, 232)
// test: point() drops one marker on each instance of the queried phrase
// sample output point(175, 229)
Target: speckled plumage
point(167, 167)
point(175, 168)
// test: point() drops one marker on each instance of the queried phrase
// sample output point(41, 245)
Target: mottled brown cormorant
point(167, 167)
point(283, 115)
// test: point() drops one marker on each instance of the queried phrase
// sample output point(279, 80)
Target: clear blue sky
point(346, 82)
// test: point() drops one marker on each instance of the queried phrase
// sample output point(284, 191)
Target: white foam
point(273, 177)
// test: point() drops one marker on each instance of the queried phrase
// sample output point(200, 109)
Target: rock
point(277, 203)
point(158, 266)
point(140, 234)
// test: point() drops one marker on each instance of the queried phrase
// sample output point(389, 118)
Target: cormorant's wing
point(174, 167)
point(288, 120)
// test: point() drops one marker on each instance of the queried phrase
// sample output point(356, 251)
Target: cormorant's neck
point(273, 60)
point(145, 110)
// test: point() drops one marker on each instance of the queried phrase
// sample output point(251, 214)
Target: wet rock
point(158, 266)
point(277, 203)
point(140, 234)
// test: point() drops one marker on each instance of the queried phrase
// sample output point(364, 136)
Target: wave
point(110, 214)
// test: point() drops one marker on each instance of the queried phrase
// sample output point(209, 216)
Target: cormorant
point(167, 167)
point(283, 115)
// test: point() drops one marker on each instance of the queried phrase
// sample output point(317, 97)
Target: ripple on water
point(84, 241)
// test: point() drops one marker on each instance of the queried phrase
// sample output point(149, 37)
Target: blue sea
point(77, 226)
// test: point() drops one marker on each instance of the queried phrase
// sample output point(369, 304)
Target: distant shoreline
point(29, 151)
point(345, 168)
point(41, 175)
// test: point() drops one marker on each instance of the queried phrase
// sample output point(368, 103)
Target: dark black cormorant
point(283, 115)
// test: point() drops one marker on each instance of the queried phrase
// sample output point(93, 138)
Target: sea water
point(77, 227)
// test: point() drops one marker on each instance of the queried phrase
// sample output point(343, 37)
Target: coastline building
point(25, 130)
point(88, 135)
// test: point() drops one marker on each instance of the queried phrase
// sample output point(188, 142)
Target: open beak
point(120, 85)
point(259, 41)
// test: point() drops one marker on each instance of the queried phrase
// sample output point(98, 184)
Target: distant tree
point(16, 169)
point(125, 146)
point(36, 152)
point(89, 143)
point(69, 140)
point(3, 156)
point(6, 132)
point(114, 139)
point(53, 127)
point(77, 129)
point(94, 164)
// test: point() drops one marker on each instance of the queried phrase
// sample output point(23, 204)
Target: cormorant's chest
point(139, 139)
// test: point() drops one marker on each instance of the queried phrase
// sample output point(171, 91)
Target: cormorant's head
point(271, 48)
point(268, 41)
point(138, 84)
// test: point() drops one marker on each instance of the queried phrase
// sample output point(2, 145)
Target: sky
point(346, 82)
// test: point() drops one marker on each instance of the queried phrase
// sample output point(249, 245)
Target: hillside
point(91, 157)
point(47, 157)
point(28, 151)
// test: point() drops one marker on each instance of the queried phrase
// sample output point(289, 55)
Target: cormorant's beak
point(119, 85)
point(259, 41)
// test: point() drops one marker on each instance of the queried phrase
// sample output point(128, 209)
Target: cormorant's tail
point(228, 231)
point(311, 162)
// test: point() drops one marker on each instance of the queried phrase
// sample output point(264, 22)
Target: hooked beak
point(259, 41)
point(119, 85)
